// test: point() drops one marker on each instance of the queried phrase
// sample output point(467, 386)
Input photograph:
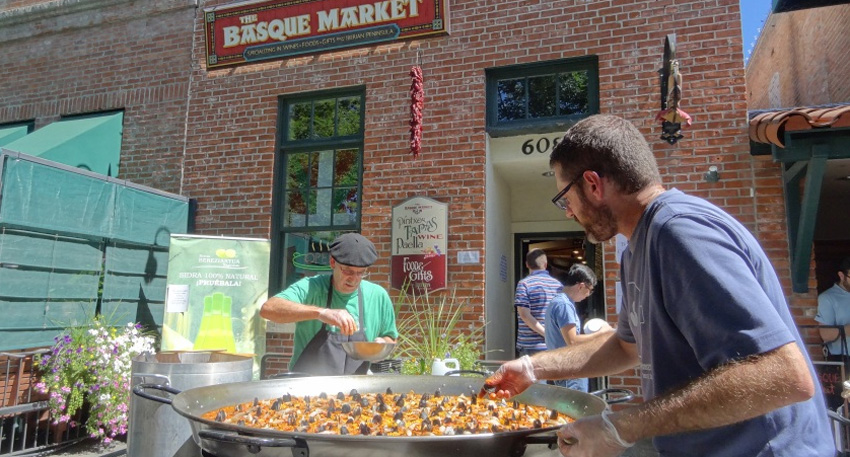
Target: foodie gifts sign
point(247, 32)
point(419, 236)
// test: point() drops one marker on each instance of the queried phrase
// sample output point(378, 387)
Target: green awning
point(9, 134)
point(91, 143)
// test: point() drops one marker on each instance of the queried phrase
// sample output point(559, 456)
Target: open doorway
point(563, 249)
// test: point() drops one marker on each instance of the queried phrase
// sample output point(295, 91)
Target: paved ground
point(91, 448)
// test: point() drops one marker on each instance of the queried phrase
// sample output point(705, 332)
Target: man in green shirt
point(352, 310)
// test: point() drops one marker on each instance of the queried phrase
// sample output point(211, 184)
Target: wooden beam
point(802, 251)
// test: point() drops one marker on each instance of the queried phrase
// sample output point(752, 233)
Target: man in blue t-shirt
point(563, 325)
point(704, 319)
point(834, 309)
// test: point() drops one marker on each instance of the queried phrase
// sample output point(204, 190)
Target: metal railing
point(26, 427)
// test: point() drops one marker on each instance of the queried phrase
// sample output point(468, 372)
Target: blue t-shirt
point(534, 292)
point(834, 309)
point(560, 313)
point(378, 313)
point(698, 293)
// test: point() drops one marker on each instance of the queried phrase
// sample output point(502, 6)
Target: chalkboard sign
point(831, 376)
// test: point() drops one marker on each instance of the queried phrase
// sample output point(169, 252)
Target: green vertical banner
point(215, 287)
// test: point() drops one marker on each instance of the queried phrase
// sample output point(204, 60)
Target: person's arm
point(828, 335)
point(731, 393)
point(572, 337)
point(530, 321)
point(604, 355)
point(281, 310)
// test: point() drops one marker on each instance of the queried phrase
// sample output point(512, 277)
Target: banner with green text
point(215, 287)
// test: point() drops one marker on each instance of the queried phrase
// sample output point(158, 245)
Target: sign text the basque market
point(277, 29)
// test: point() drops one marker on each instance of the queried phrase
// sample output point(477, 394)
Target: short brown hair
point(610, 146)
point(535, 259)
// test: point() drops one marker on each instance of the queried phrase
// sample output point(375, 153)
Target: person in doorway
point(563, 325)
point(331, 309)
point(834, 309)
point(533, 293)
point(703, 319)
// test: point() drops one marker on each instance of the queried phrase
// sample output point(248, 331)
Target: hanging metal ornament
point(671, 116)
point(417, 102)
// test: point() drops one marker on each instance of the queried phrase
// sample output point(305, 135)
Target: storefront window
point(320, 182)
point(541, 95)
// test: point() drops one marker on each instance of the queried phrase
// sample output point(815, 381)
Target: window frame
point(286, 147)
point(497, 128)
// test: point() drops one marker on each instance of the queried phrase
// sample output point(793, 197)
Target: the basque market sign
point(254, 31)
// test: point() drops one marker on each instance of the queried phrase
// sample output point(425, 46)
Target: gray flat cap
point(353, 249)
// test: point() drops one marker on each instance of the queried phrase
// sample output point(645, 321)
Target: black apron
point(324, 355)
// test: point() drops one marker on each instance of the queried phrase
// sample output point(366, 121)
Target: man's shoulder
point(834, 293)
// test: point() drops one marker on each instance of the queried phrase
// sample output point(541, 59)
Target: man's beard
point(598, 221)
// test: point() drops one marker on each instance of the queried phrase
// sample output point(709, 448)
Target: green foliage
point(430, 328)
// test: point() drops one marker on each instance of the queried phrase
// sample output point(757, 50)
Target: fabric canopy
point(11, 133)
point(91, 143)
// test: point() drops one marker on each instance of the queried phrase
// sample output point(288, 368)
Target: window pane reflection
point(541, 96)
point(299, 121)
point(573, 93)
point(348, 116)
point(511, 99)
point(323, 121)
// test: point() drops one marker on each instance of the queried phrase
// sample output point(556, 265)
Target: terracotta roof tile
point(770, 127)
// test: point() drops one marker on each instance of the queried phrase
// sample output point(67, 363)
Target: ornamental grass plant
point(91, 364)
point(431, 327)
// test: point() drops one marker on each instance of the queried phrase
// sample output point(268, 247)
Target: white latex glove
point(593, 436)
point(512, 378)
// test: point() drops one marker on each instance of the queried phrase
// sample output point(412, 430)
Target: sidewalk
point(91, 448)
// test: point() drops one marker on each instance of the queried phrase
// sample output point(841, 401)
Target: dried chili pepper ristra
point(417, 102)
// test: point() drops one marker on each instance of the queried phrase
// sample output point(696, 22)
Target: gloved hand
point(512, 378)
point(593, 436)
point(339, 318)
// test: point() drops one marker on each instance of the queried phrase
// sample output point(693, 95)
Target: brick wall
point(97, 56)
point(800, 59)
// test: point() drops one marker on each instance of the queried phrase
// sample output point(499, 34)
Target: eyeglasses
point(589, 288)
point(560, 200)
point(352, 273)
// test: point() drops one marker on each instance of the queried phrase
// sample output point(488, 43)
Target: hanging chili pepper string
point(417, 102)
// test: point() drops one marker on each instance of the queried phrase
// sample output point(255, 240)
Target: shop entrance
point(562, 251)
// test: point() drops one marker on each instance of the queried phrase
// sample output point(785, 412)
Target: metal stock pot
point(233, 440)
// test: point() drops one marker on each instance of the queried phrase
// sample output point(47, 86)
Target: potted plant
point(91, 364)
point(430, 327)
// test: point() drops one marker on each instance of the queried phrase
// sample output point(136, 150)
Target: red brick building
point(230, 136)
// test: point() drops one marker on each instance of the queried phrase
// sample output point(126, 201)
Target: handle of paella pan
point(255, 443)
point(627, 395)
point(139, 390)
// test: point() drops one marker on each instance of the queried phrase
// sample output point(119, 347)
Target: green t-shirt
point(378, 309)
